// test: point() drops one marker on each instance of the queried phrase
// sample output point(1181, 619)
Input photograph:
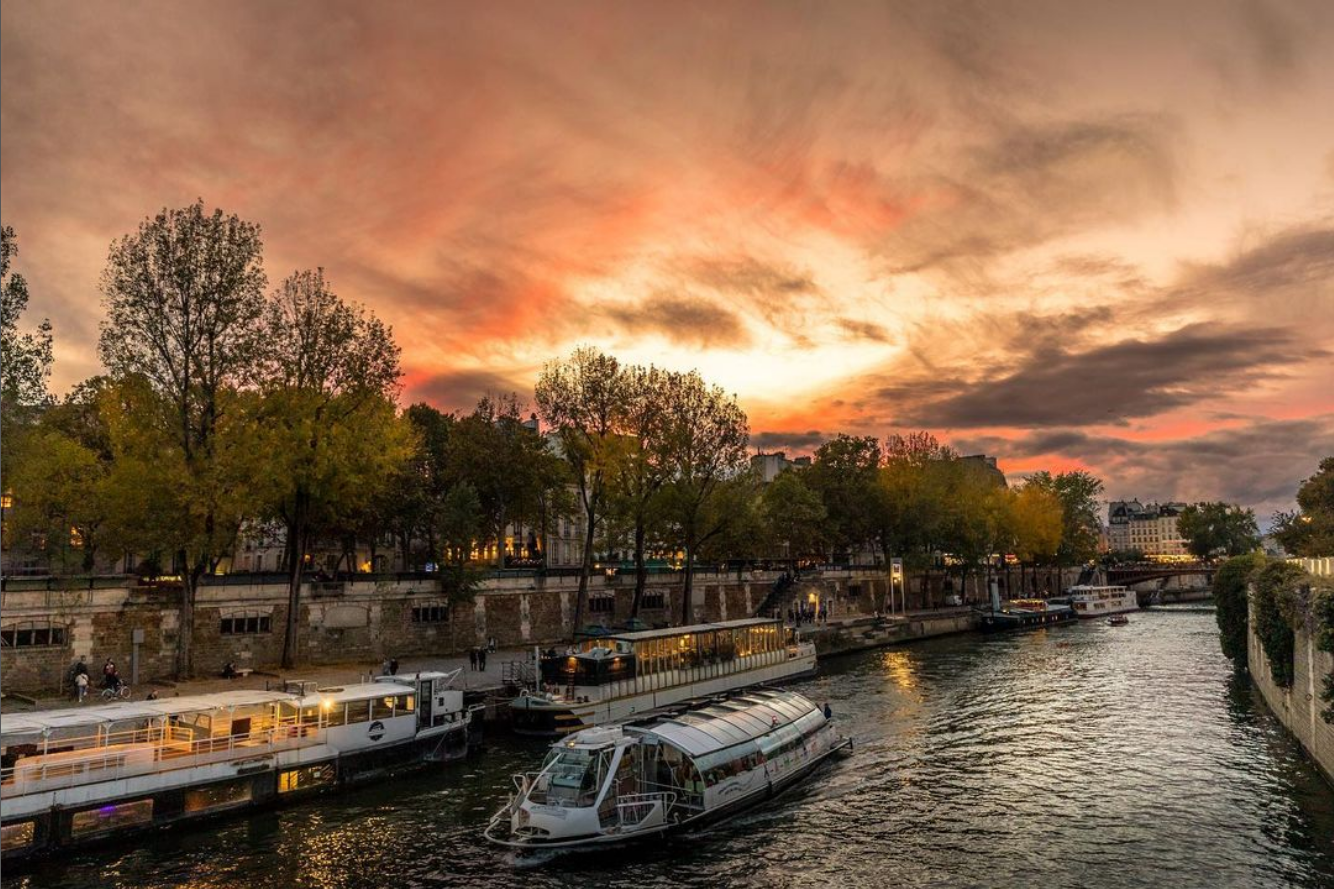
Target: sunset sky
point(1067, 234)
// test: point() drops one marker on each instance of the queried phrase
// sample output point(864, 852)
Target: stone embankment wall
point(869, 632)
point(1298, 708)
point(358, 621)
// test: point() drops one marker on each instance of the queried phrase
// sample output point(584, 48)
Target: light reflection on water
point(1080, 756)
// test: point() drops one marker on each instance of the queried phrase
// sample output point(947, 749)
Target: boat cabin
point(646, 660)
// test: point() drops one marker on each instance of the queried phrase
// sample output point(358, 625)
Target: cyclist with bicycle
point(110, 676)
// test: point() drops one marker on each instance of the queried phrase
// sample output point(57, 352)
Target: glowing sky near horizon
point(1067, 234)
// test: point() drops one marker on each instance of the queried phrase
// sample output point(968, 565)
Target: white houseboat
point(81, 774)
point(615, 783)
point(1100, 601)
point(625, 675)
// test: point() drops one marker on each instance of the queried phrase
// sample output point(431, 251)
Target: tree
point(183, 296)
point(704, 440)
point(1078, 492)
point(1309, 531)
point(1039, 520)
point(844, 473)
point(25, 358)
point(641, 468)
point(459, 525)
point(910, 497)
point(979, 521)
point(414, 492)
point(793, 514)
point(1231, 605)
point(582, 398)
point(61, 503)
point(329, 373)
point(503, 460)
point(1210, 528)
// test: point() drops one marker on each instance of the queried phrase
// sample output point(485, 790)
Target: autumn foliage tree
point(328, 372)
point(183, 296)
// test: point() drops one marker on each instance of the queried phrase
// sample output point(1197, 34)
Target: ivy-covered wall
point(1290, 647)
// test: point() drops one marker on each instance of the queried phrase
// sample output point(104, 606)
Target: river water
point(1078, 756)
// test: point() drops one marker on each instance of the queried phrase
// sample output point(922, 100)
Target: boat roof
point(641, 635)
point(727, 723)
point(400, 678)
point(41, 721)
point(362, 691)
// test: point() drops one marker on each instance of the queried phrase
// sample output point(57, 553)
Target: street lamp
point(896, 583)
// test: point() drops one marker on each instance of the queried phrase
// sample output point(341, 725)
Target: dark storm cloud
point(1258, 465)
point(462, 389)
point(684, 319)
point(1292, 270)
point(1110, 384)
point(799, 442)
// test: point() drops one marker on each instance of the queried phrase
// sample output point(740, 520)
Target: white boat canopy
point(735, 721)
point(47, 721)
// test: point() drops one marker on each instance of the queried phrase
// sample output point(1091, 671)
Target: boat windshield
point(571, 776)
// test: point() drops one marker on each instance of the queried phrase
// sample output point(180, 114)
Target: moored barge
point(625, 675)
point(83, 774)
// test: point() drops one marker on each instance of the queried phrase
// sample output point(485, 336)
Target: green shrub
point(1276, 607)
point(1322, 607)
point(1229, 591)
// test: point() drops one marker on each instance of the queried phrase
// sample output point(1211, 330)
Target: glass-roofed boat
point(615, 783)
point(628, 674)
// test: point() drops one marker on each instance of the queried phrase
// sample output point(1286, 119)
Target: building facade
point(1147, 528)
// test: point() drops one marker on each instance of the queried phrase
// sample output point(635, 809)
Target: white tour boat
point(88, 773)
point(1100, 601)
point(624, 675)
point(615, 783)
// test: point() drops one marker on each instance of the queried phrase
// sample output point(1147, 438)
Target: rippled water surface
point(1081, 756)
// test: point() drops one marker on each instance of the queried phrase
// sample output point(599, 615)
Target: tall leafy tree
point(61, 469)
point(1038, 522)
point(503, 459)
point(329, 374)
point(794, 515)
point(582, 398)
point(704, 438)
point(183, 296)
point(979, 523)
point(641, 469)
point(844, 472)
point(25, 358)
point(1309, 531)
point(1210, 528)
point(1078, 492)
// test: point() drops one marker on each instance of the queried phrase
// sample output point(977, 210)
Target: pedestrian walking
point(481, 659)
point(81, 686)
point(384, 668)
point(393, 666)
point(472, 658)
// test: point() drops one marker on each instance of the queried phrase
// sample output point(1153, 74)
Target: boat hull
point(1000, 622)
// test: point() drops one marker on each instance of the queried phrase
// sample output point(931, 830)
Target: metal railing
point(175, 748)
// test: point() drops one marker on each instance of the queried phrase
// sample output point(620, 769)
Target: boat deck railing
point(701, 672)
point(147, 752)
point(635, 807)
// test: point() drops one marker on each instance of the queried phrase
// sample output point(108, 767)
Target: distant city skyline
point(1070, 235)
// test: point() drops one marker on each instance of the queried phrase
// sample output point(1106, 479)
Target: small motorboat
point(1118, 620)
